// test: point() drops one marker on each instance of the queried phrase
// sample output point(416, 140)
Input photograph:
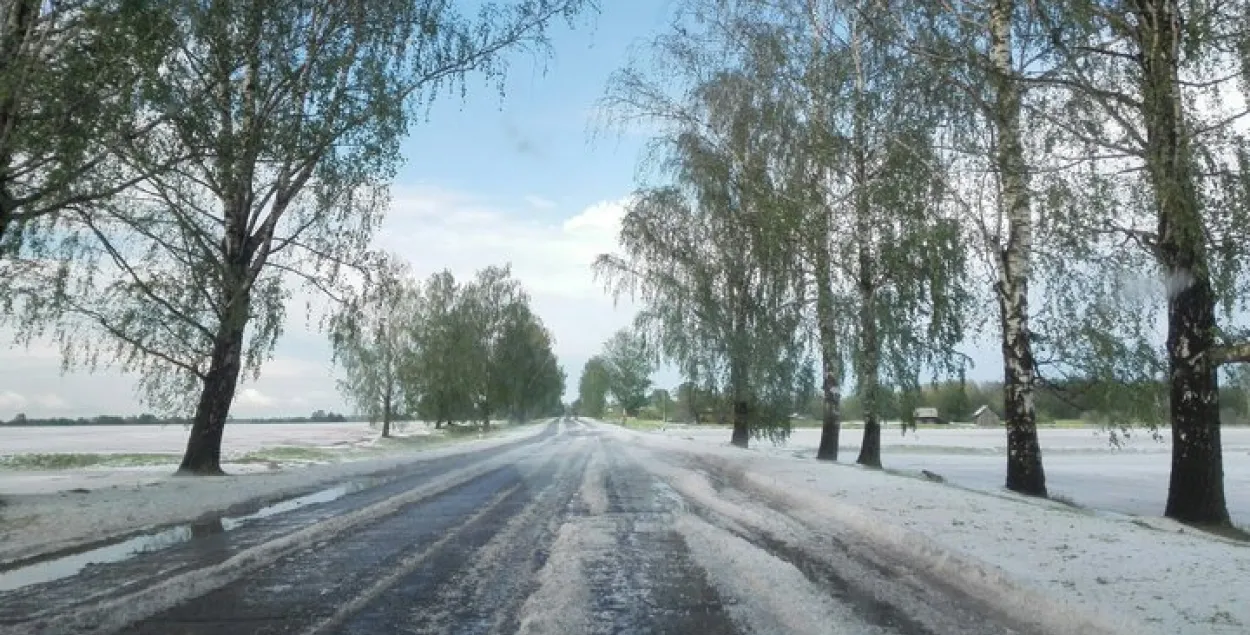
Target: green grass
point(805, 422)
point(641, 424)
point(1231, 532)
point(469, 429)
point(1065, 500)
point(1066, 423)
point(413, 441)
point(283, 453)
point(72, 461)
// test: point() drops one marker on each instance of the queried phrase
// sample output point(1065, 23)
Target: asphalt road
point(574, 531)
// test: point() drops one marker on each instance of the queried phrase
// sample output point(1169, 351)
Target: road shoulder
point(1058, 563)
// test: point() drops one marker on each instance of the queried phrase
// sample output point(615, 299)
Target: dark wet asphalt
point(467, 560)
point(426, 568)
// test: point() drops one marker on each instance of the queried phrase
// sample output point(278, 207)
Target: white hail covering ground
point(1143, 574)
point(1146, 574)
point(239, 438)
point(1080, 464)
point(42, 510)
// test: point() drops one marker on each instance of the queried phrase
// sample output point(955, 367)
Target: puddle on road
point(71, 564)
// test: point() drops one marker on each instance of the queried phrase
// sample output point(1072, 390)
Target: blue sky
point(535, 139)
point(490, 179)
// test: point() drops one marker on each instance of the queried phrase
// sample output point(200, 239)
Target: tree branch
point(142, 284)
point(144, 349)
point(1235, 353)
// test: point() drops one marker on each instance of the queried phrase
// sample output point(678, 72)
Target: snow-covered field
point(1080, 464)
point(239, 438)
point(164, 445)
point(1143, 575)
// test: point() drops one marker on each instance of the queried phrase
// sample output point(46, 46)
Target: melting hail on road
point(572, 531)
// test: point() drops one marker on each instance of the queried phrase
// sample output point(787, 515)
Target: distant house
point(986, 417)
point(927, 416)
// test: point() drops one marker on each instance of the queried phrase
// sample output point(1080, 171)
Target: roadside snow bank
point(1067, 570)
point(49, 511)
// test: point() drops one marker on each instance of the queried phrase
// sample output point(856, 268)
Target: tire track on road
point(880, 592)
point(475, 580)
point(644, 579)
point(305, 588)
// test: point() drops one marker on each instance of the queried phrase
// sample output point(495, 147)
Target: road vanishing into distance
point(573, 530)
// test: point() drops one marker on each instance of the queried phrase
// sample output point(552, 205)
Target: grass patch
point(451, 432)
point(1231, 532)
point(282, 453)
point(460, 430)
point(642, 424)
point(1071, 424)
point(1060, 498)
point(416, 440)
point(74, 461)
point(805, 422)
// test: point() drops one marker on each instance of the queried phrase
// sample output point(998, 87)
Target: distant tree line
point(955, 401)
point(148, 419)
point(445, 351)
point(1069, 400)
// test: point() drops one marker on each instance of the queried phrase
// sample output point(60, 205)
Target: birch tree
point(981, 50)
point(485, 307)
point(372, 338)
point(1025, 473)
point(898, 254)
point(629, 365)
point(477, 349)
point(836, 177)
point(707, 254)
point(1147, 86)
point(529, 381)
point(295, 112)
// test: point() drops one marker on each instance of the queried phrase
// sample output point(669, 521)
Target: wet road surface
point(572, 531)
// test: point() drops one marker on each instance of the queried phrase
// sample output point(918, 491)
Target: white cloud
point(51, 401)
point(255, 398)
point(11, 401)
point(436, 228)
